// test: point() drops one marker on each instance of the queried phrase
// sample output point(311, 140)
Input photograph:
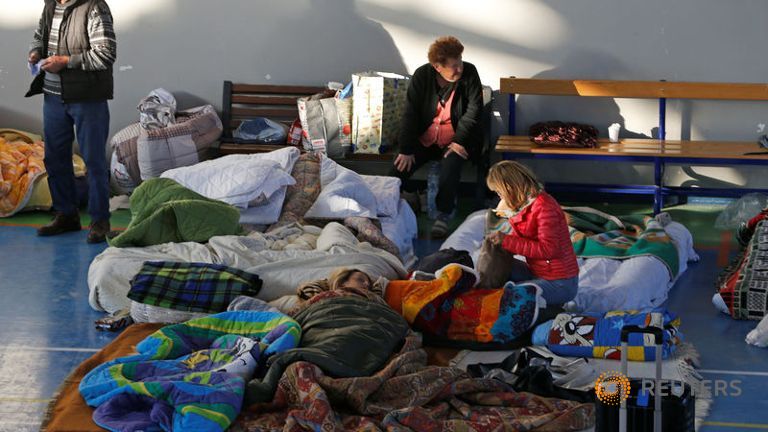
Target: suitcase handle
point(658, 335)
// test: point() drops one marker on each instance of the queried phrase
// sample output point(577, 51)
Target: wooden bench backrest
point(245, 101)
point(635, 89)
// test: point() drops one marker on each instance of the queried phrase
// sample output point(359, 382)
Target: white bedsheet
point(604, 284)
point(402, 230)
point(282, 260)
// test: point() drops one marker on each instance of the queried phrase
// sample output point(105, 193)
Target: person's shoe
point(98, 232)
point(412, 198)
point(60, 224)
point(439, 229)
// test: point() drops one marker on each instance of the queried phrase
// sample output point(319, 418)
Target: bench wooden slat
point(636, 89)
point(227, 148)
point(642, 147)
point(275, 89)
point(264, 100)
point(264, 112)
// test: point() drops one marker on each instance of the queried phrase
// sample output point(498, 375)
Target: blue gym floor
point(46, 329)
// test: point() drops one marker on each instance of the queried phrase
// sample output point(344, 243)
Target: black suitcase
point(641, 411)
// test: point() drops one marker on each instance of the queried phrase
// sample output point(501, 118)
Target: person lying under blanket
point(347, 330)
point(448, 308)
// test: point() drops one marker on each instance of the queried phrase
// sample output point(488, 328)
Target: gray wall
point(189, 47)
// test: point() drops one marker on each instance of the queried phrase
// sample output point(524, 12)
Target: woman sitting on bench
point(441, 122)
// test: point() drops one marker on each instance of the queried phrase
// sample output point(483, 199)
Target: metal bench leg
point(658, 181)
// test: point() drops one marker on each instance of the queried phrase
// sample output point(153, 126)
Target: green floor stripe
point(119, 219)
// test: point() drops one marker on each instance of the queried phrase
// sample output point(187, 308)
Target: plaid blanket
point(406, 394)
point(192, 287)
point(597, 234)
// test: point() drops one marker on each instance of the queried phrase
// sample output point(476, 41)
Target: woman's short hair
point(443, 48)
point(514, 181)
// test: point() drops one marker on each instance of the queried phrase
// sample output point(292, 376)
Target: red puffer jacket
point(540, 234)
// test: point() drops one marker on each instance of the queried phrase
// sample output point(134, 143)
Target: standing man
point(441, 122)
point(75, 40)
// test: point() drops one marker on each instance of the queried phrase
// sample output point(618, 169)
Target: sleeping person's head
point(349, 279)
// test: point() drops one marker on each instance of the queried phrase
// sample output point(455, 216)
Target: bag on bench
point(560, 134)
point(327, 125)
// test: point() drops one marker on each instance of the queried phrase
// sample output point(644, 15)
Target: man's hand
point(496, 237)
point(34, 57)
point(458, 149)
point(55, 64)
point(404, 163)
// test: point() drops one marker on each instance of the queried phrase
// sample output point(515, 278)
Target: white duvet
point(604, 284)
point(282, 259)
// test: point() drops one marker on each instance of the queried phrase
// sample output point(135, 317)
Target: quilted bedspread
point(21, 163)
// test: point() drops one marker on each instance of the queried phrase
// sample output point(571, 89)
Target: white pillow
point(286, 157)
point(345, 195)
point(387, 192)
point(239, 180)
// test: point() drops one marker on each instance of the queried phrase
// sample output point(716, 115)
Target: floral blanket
point(407, 395)
point(21, 163)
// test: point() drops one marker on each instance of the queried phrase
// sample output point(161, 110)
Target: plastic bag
point(157, 110)
point(119, 179)
point(741, 210)
point(262, 131)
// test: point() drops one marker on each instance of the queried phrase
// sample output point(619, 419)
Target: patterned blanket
point(407, 395)
point(188, 376)
point(449, 307)
point(192, 287)
point(744, 284)
point(596, 234)
point(599, 336)
point(21, 163)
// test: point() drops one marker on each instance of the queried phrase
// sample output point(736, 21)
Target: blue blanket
point(599, 336)
point(189, 376)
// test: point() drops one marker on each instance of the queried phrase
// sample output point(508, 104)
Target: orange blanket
point(68, 411)
point(21, 163)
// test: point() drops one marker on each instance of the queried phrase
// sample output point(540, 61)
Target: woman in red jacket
point(538, 232)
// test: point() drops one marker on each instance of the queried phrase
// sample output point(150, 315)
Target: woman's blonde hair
point(341, 275)
point(514, 181)
point(443, 48)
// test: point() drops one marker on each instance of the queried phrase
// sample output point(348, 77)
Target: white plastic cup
point(613, 132)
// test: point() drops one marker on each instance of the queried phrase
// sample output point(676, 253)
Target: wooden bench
point(276, 102)
point(657, 151)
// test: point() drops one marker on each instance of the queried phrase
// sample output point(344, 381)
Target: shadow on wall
point(300, 42)
point(597, 111)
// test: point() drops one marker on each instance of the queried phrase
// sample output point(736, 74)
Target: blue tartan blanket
point(193, 287)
